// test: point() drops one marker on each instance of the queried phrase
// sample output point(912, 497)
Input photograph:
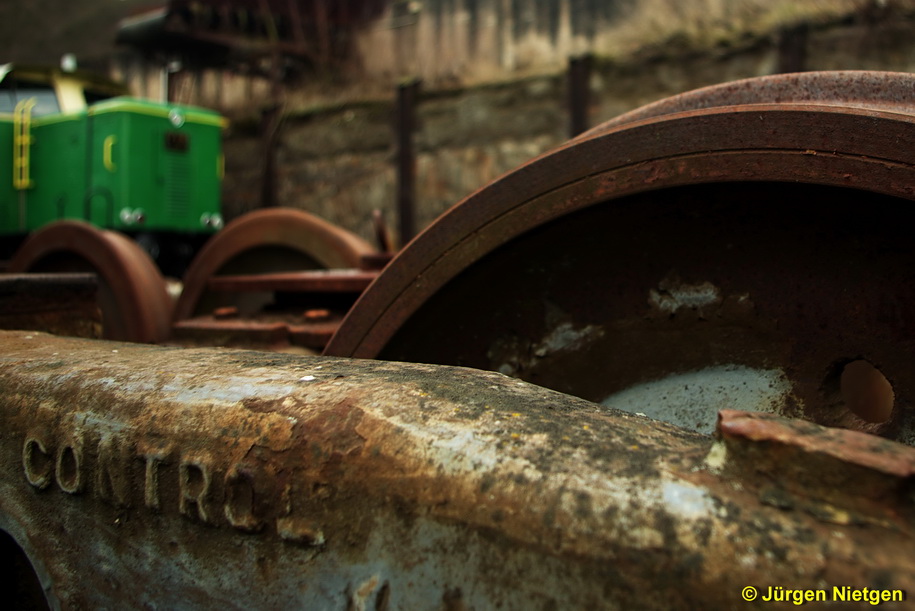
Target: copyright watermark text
point(838, 594)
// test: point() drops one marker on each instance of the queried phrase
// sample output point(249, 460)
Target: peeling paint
point(686, 501)
point(692, 400)
point(673, 295)
point(717, 457)
point(511, 355)
point(566, 337)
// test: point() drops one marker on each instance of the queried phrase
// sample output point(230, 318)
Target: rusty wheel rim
point(880, 91)
point(132, 296)
point(264, 241)
point(823, 145)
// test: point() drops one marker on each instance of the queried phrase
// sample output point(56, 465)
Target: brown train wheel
point(742, 238)
point(265, 241)
point(132, 296)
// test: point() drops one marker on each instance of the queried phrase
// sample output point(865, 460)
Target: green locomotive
point(74, 146)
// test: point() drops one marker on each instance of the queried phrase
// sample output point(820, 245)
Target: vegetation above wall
point(43, 30)
point(667, 27)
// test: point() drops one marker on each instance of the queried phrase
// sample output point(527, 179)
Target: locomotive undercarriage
point(739, 247)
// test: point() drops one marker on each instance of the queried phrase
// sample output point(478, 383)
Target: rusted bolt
point(225, 312)
point(316, 315)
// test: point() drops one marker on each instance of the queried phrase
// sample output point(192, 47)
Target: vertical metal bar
point(270, 124)
point(792, 49)
point(298, 27)
point(322, 24)
point(271, 116)
point(407, 94)
point(579, 94)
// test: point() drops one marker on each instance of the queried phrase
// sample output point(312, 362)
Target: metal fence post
point(407, 94)
point(579, 93)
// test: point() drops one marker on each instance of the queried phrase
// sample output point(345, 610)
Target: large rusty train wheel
point(265, 241)
point(132, 295)
point(745, 246)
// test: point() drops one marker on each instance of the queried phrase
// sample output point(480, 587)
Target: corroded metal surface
point(132, 294)
point(305, 310)
point(879, 91)
point(743, 244)
point(63, 304)
point(140, 476)
point(274, 332)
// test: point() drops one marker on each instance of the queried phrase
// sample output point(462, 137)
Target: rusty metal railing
point(135, 476)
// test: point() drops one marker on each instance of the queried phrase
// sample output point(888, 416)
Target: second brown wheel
point(132, 297)
point(745, 246)
point(270, 240)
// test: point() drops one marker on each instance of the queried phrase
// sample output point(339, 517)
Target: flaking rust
point(137, 476)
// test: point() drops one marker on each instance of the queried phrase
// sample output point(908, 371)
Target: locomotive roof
point(51, 74)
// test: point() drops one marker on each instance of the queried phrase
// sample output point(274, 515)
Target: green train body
point(71, 148)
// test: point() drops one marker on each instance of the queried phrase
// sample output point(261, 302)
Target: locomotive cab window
point(7, 99)
point(12, 92)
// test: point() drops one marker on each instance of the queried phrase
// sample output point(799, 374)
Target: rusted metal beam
point(323, 281)
point(138, 476)
point(310, 329)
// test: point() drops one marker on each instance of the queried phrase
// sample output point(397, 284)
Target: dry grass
point(699, 24)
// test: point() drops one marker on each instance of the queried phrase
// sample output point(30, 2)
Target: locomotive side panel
point(58, 170)
point(158, 166)
point(8, 199)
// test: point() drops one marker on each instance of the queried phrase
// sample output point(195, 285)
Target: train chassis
point(743, 246)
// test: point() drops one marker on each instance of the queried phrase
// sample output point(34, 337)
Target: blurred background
point(310, 86)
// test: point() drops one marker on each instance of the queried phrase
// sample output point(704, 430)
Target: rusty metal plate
point(309, 330)
point(751, 256)
point(63, 304)
point(132, 295)
point(140, 476)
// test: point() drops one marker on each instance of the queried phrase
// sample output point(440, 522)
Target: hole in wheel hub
point(866, 392)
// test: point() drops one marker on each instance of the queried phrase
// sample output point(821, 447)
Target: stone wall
point(338, 160)
point(443, 42)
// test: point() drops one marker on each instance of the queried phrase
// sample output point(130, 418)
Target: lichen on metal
point(137, 476)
